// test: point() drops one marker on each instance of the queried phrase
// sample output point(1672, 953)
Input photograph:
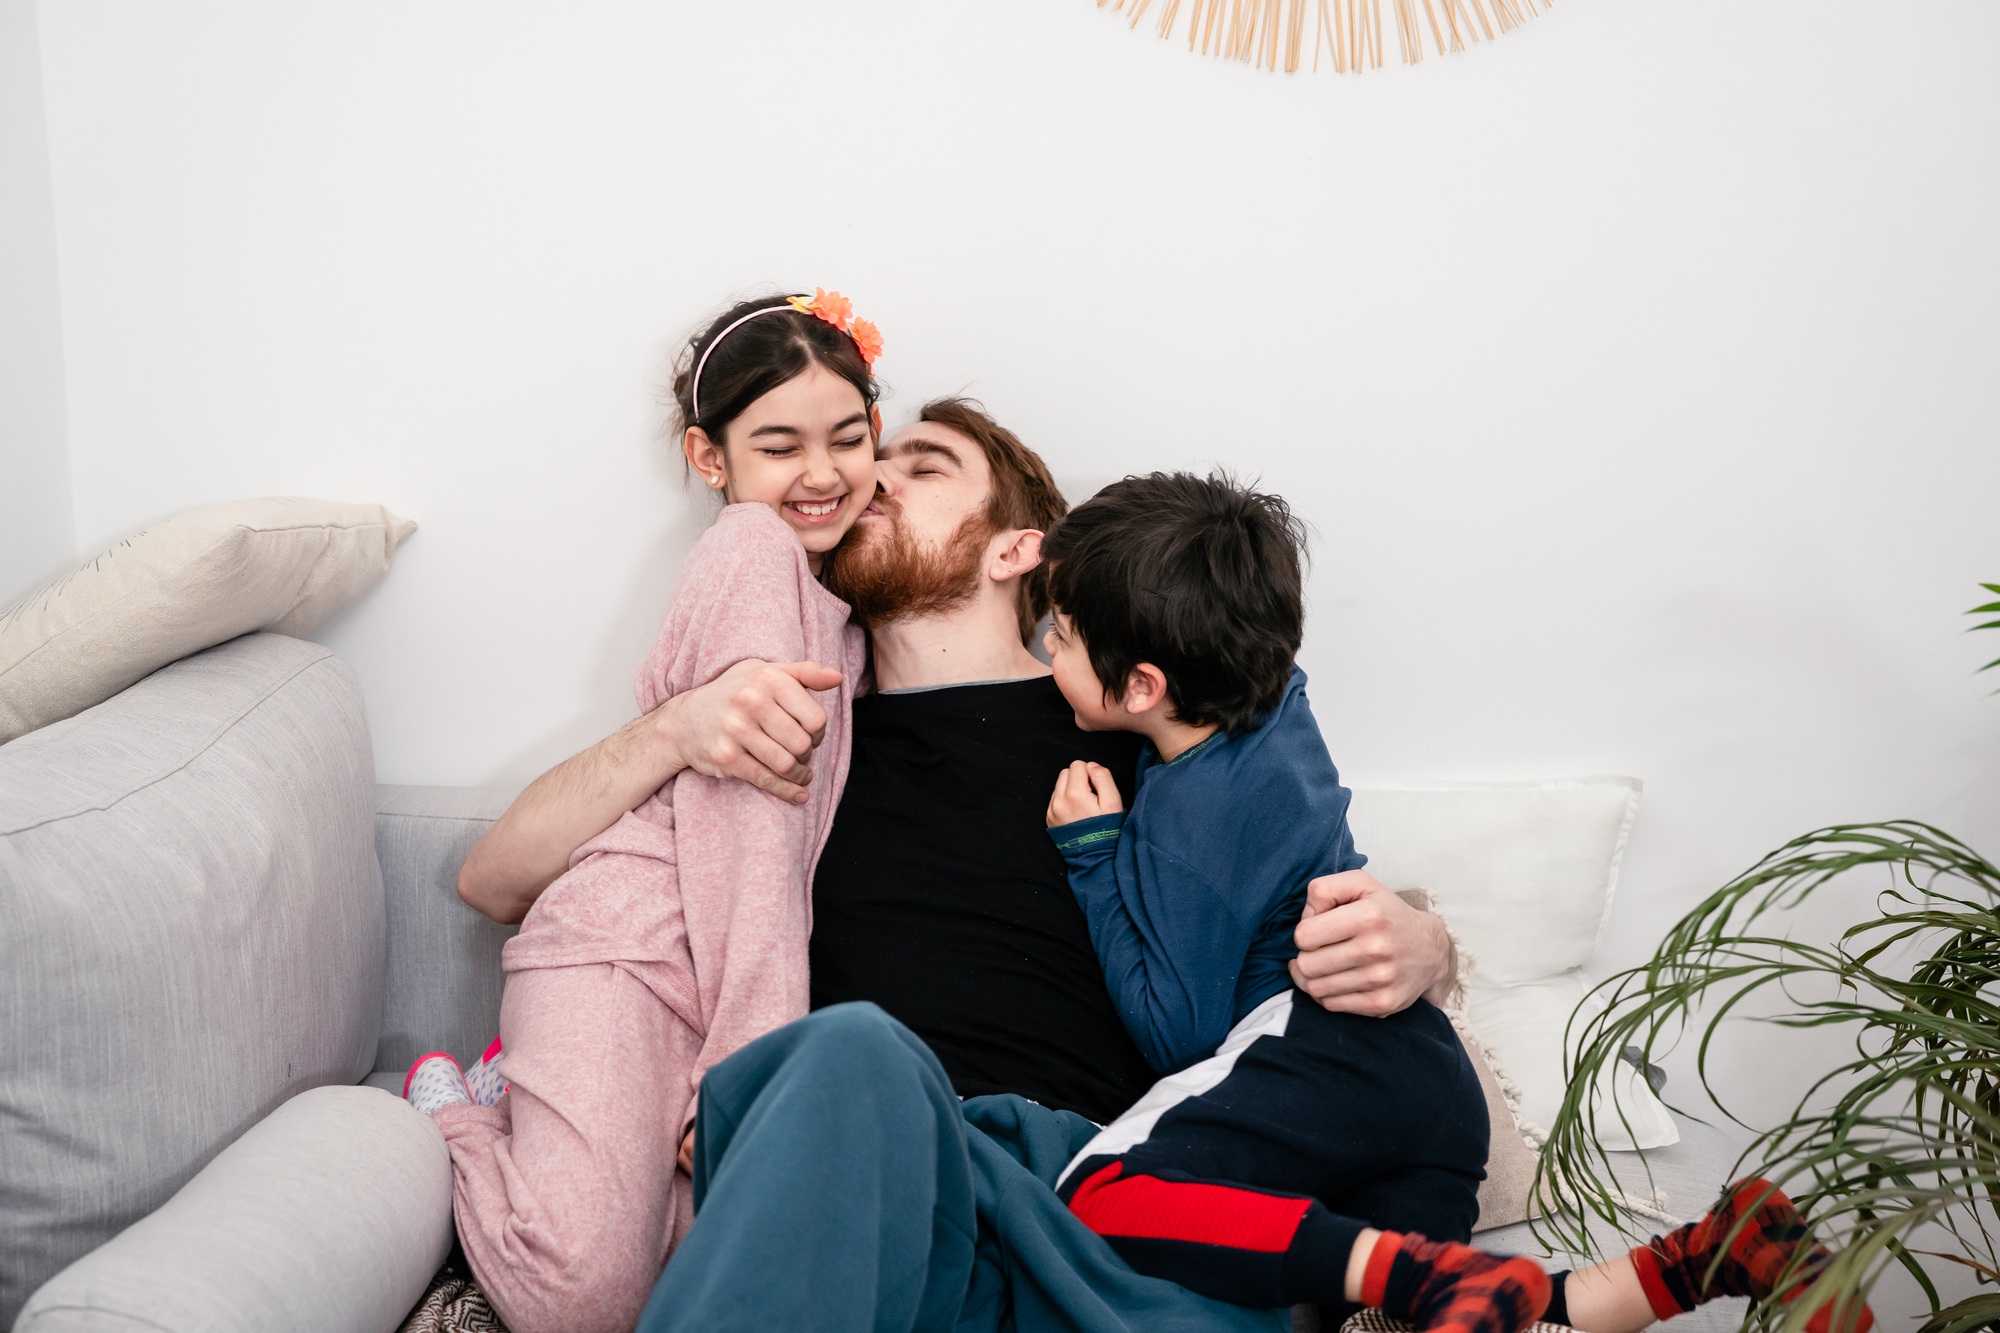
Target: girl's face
point(806, 448)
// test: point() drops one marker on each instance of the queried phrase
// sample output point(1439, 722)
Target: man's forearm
point(757, 722)
point(561, 810)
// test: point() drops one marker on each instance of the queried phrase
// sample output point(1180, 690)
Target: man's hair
point(1024, 494)
point(1200, 576)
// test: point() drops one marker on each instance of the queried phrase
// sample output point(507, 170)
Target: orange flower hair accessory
point(832, 307)
point(838, 311)
point(868, 338)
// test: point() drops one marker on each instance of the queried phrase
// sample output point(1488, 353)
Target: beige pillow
point(1511, 1154)
point(1510, 1158)
point(194, 581)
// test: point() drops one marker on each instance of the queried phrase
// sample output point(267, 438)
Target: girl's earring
point(715, 479)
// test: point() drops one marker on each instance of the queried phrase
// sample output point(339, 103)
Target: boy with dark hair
point(1283, 1136)
point(1259, 1169)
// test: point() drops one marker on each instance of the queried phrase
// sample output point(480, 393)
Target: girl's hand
point(1083, 791)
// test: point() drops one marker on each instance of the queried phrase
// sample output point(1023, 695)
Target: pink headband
point(832, 307)
point(694, 391)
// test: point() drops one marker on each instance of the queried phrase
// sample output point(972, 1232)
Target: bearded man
point(838, 1184)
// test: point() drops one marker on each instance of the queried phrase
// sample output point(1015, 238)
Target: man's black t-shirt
point(941, 898)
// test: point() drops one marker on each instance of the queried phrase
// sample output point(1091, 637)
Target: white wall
point(37, 533)
point(1637, 371)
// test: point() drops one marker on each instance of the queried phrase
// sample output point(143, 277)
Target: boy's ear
point(1019, 552)
point(1145, 689)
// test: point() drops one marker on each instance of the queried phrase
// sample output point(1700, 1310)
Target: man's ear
point(1145, 689)
point(1018, 552)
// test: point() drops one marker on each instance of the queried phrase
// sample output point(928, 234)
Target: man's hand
point(1083, 790)
point(757, 722)
point(686, 1159)
point(1363, 950)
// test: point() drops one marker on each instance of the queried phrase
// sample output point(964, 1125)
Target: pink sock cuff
point(491, 1051)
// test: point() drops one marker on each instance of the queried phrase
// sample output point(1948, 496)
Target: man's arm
point(756, 722)
point(1363, 950)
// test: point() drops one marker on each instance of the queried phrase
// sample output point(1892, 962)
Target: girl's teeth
point(819, 510)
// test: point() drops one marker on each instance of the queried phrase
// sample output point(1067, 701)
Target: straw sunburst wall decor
point(1271, 34)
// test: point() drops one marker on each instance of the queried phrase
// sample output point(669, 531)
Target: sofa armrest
point(191, 931)
point(332, 1213)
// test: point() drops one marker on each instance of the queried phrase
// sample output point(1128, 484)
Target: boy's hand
point(1082, 792)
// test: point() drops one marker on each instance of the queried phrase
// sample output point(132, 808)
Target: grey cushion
point(192, 926)
point(330, 1215)
point(444, 958)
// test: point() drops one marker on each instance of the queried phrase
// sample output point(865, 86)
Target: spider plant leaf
point(1916, 1270)
point(1906, 1134)
point(1972, 1313)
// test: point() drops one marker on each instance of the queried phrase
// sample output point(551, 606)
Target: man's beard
point(885, 576)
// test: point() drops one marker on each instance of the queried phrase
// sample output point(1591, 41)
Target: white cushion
point(1523, 1027)
point(194, 581)
point(1524, 873)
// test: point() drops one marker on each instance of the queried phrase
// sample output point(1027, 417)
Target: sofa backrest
point(444, 980)
point(191, 932)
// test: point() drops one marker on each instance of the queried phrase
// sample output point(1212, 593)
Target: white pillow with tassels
point(199, 579)
point(1524, 874)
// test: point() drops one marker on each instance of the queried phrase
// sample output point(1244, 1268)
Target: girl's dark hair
point(753, 360)
point(1200, 576)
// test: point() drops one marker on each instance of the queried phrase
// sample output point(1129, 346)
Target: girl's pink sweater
point(704, 892)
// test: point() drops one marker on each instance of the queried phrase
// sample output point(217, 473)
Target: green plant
point(1894, 1155)
point(1990, 608)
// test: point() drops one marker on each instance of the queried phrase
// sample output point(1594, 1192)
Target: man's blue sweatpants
point(841, 1185)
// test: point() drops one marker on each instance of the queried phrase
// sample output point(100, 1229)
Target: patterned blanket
point(454, 1304)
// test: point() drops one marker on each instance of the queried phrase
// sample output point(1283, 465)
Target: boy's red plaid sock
point(1451, 1288)
point(1674, 1269)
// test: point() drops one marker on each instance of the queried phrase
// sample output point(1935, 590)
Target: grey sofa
point(221, 944)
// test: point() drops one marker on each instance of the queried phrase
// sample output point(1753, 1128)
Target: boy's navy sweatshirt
point(1193, 892)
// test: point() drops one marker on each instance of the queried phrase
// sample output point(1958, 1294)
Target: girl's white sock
point(434, 1082)
point(483, 1080)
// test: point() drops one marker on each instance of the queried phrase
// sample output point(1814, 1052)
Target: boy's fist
point(1082, 792)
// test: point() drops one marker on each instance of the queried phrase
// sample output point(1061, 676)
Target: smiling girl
point(678, 934)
